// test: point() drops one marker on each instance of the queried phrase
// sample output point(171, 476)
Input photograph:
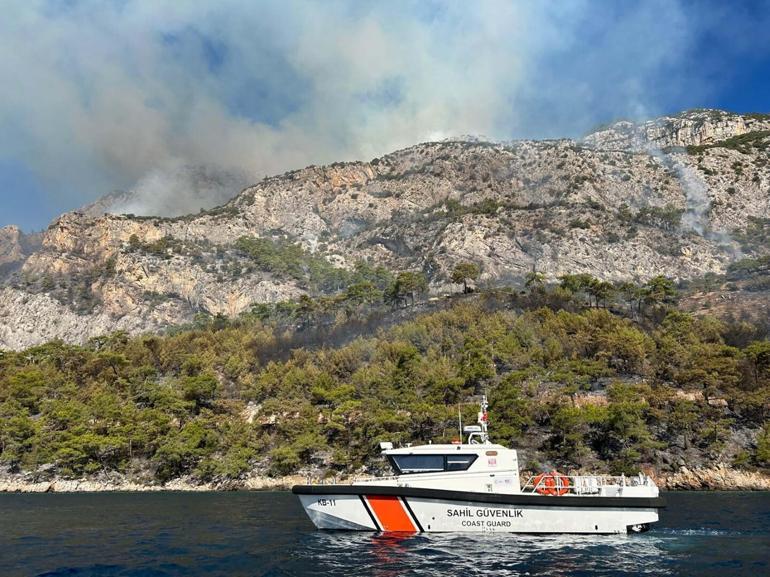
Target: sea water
point(268, 534)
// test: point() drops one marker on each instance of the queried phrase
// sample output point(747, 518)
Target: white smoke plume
point(104, 95)
point(698, 202)
point(181, 190)
point(698, 206)
point(696, 216)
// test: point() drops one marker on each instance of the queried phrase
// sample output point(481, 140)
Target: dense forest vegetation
point(580, 374)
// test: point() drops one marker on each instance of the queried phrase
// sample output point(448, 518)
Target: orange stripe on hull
point(390, 513)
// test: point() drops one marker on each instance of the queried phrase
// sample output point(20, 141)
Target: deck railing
point(577, 484)
point(583, 484)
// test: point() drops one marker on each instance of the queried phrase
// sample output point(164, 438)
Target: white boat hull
point(402, 510)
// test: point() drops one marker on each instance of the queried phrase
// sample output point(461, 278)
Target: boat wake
point(440, 554)
point(701, 532)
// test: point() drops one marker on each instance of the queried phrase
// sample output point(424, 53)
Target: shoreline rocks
point(717, 478)
point(18, 484)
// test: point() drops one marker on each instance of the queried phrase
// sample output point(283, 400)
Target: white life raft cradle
point(475, 486)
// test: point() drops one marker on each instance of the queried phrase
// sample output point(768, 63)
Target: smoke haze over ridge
point(116, 95)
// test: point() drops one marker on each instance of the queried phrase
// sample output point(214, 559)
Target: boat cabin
point(462, 467)
point(424, 459)
point(476, 465)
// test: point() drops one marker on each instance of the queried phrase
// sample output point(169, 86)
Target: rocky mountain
point(15, 246)
point(680, 196)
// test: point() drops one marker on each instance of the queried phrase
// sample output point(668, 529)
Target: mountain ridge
point(671, 196)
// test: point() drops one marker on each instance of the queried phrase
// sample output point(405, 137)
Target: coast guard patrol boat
point(475, 486)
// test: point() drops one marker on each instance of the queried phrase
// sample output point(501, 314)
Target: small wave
point(103, 570)
point(699, 532)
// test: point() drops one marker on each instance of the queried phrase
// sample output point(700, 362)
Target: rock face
point(691, 128)
point(10, 246)
point(719, 478)
point(15, 246)
point(626, 203)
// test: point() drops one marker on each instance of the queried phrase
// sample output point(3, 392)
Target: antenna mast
point(483, 419)
point(460, 420)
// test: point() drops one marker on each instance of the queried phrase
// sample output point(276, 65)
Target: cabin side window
point(406, 464)
point(459, 462)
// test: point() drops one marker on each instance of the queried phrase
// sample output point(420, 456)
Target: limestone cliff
point(671, 196)
point(690, 128)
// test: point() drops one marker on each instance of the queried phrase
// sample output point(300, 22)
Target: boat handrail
point(587, 484)
point(335, 480)
point(373, 479)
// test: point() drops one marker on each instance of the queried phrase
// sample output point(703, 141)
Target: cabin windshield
point(406, 464)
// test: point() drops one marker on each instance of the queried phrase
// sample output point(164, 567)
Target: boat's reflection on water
point(392, 555)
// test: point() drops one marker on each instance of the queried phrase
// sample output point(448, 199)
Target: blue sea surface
point(268, 534)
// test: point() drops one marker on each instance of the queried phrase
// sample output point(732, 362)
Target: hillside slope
point(572, 386)
point(680, 196)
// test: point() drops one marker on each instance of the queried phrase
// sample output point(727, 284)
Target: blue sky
point(106, 94)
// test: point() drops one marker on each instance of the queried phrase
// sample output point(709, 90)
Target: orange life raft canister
point(553, 483)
